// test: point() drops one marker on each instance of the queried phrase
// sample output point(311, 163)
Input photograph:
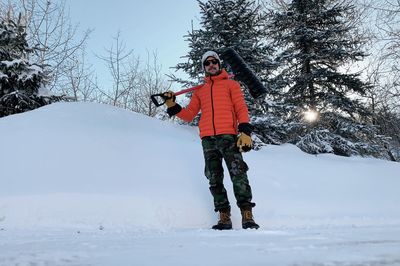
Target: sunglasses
point(208, 62)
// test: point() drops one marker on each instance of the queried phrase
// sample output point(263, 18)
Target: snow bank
point(90, 165)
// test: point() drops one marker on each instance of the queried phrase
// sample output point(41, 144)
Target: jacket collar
point(221, 76)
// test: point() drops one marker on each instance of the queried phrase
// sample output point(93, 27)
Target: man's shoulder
point(232, 82)
point(200, 90)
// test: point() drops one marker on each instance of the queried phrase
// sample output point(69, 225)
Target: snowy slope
point(89, 184)
point(80, 164)
point(86, 164)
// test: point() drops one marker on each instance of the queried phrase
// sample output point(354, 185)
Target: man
point(224, 114)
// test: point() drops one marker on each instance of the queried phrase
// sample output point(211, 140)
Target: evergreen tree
point(318, 38)
point(20, 80)
point(229, 23)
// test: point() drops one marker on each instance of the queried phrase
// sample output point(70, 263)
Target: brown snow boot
point(248, 219)
point(224, 222)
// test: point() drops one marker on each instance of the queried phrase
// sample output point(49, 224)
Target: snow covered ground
point(89, 184)
point(308, 246)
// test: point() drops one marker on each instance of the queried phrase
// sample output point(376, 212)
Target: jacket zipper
point(234, 119)
point(212, 105)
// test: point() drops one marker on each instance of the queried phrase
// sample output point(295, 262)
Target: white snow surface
point(91, 184)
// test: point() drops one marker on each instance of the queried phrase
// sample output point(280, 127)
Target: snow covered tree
point(20, 79)
point(58, 41)
point(229, 23)
point(317, 40)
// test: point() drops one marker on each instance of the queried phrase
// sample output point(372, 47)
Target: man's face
point(211, 65)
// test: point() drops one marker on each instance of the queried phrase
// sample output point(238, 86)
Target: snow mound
point(91, 165)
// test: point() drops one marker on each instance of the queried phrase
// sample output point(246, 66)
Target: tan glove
point(170, 98)
point(244, 142)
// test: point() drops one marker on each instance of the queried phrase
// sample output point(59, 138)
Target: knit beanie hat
point(207, 55)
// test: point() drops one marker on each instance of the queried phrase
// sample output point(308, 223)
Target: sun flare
point(311, 115)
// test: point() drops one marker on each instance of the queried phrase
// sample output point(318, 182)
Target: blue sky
point(152, 25)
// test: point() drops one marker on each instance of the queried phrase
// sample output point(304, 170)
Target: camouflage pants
point(215, 149)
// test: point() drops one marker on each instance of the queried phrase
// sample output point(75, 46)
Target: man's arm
point(241, 110)
point(189, 112)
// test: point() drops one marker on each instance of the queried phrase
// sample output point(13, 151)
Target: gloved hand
point(244, 142)
point(169, 99)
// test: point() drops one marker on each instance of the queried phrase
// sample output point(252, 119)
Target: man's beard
point(216, 73)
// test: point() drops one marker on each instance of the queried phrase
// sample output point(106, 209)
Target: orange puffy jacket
point(222, 106)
